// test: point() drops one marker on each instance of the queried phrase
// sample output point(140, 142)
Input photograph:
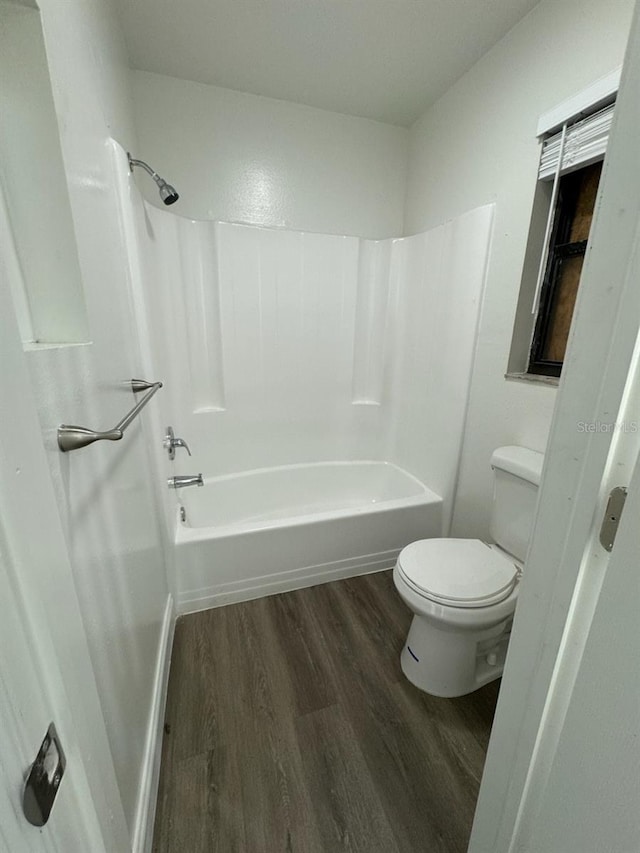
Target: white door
point(563, 767)
point(45, 670)
point(26, 709)
point(582, 793)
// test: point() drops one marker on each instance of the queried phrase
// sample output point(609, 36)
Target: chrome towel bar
point(75, 437)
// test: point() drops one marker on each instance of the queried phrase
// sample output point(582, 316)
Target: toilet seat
point(458, 572)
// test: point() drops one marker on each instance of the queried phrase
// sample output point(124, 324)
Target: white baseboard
point(146, 810)
point(246, 590)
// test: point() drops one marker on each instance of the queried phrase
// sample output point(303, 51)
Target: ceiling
point(381, 59)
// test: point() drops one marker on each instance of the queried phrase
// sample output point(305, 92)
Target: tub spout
point(186, 480)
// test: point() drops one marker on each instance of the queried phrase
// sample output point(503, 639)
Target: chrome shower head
point(167, 192)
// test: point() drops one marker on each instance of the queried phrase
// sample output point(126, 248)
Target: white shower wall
point(439, 277)
point(280, 347)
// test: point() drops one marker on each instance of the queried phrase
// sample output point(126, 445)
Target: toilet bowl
point(463, 592)
point(458, 638)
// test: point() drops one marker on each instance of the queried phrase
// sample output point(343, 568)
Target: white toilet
point(463, 592)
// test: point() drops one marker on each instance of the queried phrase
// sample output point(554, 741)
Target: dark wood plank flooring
point(291, 729)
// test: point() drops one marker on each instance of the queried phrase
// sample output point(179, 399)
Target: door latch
point(612, 515)
point(43, 781)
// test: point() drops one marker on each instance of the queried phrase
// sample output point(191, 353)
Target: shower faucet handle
point(170, 443)
point(180, 442)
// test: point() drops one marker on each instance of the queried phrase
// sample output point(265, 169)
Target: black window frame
point(560, 249)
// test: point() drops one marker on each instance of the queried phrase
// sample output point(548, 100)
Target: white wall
point(105, 492)
point(477, 144)
point(243, 158)
point(40, 235)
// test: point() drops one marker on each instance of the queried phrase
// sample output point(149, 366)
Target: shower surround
point(283, 348)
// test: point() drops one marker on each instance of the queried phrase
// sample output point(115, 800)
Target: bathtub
point(246, 535)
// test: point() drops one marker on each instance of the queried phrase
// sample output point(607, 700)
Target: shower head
point(167, 192)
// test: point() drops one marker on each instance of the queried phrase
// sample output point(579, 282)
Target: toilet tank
point(517, 473)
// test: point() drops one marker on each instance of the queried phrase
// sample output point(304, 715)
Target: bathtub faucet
point(186, 480)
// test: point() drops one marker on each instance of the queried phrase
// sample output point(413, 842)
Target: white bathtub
point(275, 529)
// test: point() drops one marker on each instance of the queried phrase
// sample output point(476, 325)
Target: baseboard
point(146, 810)
point(246, 590)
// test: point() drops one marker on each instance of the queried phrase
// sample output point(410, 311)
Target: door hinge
point(612, 515)
point(43, 781)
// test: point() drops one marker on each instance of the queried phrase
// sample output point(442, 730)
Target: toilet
point(463, 592)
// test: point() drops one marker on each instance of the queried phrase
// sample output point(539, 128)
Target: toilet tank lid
point(519, 461)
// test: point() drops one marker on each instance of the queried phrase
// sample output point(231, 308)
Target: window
point(572, 159)
point(574, 137)
point(572, 222)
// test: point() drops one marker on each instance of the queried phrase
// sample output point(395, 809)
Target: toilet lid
point(458, 572)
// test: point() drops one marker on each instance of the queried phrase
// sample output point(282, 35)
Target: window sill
point(536, 378)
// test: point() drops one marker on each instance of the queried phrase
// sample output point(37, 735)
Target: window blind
point(585, 142)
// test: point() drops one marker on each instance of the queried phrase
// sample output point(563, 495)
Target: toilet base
point(453, 663)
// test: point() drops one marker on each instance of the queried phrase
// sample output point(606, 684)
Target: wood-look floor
point(291, 729)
